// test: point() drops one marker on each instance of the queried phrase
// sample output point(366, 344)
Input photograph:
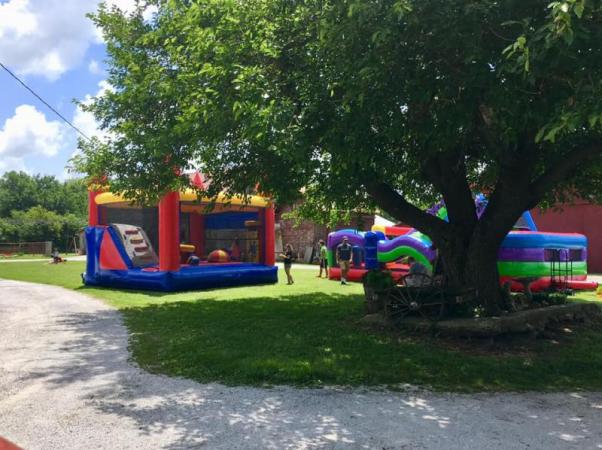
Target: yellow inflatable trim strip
point(107, 198)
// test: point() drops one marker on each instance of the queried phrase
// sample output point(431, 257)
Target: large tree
point(363, 103)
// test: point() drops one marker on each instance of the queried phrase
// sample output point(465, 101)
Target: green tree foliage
point(20, 191)
point(41, 208)
point(38, 224)
point(17, 191)
point(362, 103)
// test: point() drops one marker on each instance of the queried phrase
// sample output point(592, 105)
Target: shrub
point(379, 279)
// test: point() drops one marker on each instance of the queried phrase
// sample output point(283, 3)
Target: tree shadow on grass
point(314, 340)
point(300, 339)
point(149, 293)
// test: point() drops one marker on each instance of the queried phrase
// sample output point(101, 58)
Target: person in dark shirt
point(344, 255)
point(287, 258)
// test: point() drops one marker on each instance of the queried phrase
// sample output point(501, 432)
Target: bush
point(379, 280)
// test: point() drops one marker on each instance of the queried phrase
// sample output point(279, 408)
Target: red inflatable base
point(334, 273)
point(579, 283)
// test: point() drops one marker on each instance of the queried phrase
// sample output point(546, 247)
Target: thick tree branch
point(447, 172)
point(511, 193)
point(396, 204)
point(562, 170)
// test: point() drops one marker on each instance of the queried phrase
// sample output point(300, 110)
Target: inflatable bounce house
point(526, 254)
point(232, 244)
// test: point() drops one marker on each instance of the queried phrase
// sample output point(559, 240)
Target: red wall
point(581, 218)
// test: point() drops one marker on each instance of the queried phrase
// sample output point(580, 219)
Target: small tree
point(388, 103)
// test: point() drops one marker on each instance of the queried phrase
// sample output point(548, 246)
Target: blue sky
point(58, 52)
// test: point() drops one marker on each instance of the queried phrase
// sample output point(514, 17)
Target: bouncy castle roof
point(189, 195)
point(201, 181)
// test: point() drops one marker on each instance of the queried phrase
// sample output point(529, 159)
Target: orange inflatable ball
point(218, 256)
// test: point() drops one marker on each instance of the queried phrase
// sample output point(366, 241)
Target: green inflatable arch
point(402, 251)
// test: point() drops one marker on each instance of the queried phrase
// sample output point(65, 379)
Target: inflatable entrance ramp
point(136, 244)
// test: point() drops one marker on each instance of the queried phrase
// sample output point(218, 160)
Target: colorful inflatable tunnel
point(526, 255)
point(232, 243)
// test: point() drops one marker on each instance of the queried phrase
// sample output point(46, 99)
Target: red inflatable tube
point(539, 285)
point(392, 231)
point(334, 273)
point(578, 283)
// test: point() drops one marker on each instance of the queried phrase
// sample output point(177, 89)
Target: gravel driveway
point(66, 383)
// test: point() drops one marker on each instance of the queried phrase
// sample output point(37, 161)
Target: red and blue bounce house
point(233, 241)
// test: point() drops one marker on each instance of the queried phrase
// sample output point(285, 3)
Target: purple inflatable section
point(534, 254)
point(520, 254)
point(406, 241)
point(336, 238)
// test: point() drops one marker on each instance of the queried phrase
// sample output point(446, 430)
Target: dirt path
point(66, 383)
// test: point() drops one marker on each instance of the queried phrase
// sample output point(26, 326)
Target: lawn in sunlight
point(307, 334)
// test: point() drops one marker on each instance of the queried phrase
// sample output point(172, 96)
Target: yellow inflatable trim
point(380, 228)
point(107, 198)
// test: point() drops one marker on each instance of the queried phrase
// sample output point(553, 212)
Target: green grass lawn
point(307, 335)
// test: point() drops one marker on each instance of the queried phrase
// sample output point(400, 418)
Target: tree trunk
point(468, 246)
point(471, 262)
point(481, 271)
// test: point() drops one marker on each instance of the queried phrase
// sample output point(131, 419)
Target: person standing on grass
point(323, 252)
point(287, 258)
point(344, 255)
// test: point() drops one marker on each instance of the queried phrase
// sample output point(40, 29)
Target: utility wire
point(43, 101)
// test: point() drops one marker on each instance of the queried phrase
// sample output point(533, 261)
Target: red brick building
point(581, 217)
point(307, 233)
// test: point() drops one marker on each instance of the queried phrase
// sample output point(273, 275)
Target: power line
point(43, 101)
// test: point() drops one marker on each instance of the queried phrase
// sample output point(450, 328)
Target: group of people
point(344, 254)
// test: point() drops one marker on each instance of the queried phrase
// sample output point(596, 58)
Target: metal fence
point(29, 248)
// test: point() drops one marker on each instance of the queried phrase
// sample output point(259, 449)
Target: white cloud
point(16, 19)
point(10, 163)
point(94, 67)
point(85, 121)
point(50, 37)
point(149, 12)
point(45, 37)
point(28, 133)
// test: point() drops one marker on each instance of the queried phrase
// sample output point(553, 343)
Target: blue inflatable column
point(370, 250)
point(93, 241)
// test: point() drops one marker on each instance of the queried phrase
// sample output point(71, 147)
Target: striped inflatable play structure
point(540, 259)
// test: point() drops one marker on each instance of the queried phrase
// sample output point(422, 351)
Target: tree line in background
point(41, 208)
